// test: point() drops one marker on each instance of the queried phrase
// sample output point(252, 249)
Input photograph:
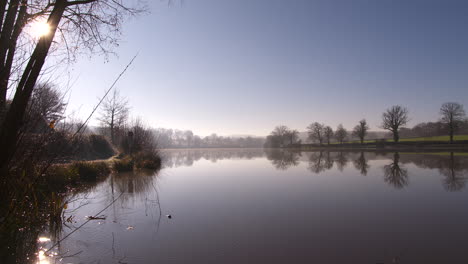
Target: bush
point(91, 170)
point(58, 177)
point(125, 164)
point(100, 146)
point(147, 160)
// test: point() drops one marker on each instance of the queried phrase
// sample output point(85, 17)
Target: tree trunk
point(13, 120)
point(396, 137)
point(5, 37)
point(7, 55)
point(451, 133)
point(112, 128)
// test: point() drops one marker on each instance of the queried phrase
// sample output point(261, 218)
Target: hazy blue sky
point(242, 67)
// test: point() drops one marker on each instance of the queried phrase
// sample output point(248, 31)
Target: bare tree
point(280, 133)
point(360, 130)
point(328, 133)
point(292, 136)
point(394, 118)
point(452, 115)
point(341, 133)
point(47, 102)
point(316, 132)
point(114, 113)
point(92, 24)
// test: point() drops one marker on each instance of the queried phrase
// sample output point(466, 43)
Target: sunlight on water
point(42, 258)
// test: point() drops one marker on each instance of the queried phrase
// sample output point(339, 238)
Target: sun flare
point(40, 28)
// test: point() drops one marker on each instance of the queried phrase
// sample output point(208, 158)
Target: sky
point(245, 66)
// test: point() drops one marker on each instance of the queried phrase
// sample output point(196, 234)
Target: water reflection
point(283, 159)
point(394, 174)
point(318, 162)
point(213, 195)
point(341, 160)
point(455, 174)
point(453, 167)
point(187, 157)
point(132, 183)
point(361, 164)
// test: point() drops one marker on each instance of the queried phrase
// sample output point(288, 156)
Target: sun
point(39, 28)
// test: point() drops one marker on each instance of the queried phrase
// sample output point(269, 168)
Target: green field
point(437, 138)
point(419, 139)
point(464, 154)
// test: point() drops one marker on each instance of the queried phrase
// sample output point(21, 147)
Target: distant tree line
point(394, 119)
point(174, 138)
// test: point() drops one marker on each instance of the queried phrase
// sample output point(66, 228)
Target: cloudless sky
point(245, 66)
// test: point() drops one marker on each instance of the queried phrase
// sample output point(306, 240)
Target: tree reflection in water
point(395, 175)
point(317, 162)
point(454, 169)
point(454, 174)
point(341, 160)
point(361, 164)
point(283, 159)
point(187, 157)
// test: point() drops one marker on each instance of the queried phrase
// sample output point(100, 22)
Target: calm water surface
point(252, 206)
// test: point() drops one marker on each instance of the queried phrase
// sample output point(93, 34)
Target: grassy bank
point(419, 144)
point(459, 138)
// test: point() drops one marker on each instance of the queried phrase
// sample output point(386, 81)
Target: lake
point(273, 206)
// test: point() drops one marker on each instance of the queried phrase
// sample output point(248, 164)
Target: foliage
point(147, 160)
point(174, 138)
point(91, 170)
point(123, 165)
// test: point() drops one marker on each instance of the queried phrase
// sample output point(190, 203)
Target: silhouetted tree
point(394, 118)
point(280, 132)
point(341, 133)
point(47, 102)
point(272, 141)
point(452, 114)
point(114, 113)
point(83, 23)
point(394, 174)
point(316, 132)
point(328, 133)
point(360, 130)
point(292, 136)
